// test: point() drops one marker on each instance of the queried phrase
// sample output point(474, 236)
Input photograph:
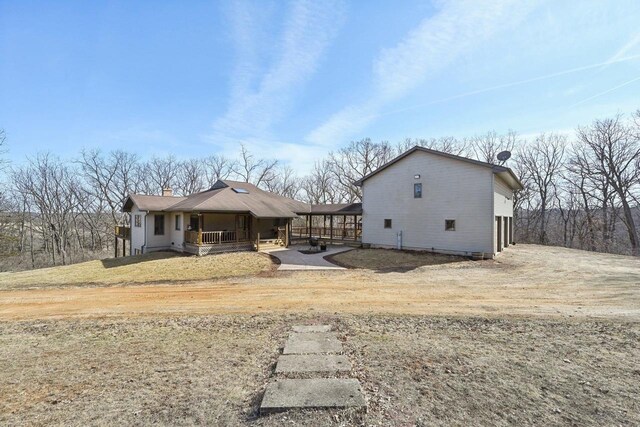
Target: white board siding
point(502, 198)
point(502, 207)
point(137, 233)
point(176, 237)
point(451, 189)
point(158, 243)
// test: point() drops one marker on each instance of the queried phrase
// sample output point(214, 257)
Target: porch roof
point(335, 209)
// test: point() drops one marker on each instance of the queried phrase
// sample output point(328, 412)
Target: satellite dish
point(503, 156)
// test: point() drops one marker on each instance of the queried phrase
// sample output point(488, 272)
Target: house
point(423, 199)
point(430, 200)
point(230, 216)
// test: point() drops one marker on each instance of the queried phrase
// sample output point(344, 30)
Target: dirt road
point(524, 280)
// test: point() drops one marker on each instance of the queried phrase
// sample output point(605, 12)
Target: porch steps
point(266, 245)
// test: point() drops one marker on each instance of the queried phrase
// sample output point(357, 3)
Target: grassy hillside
point(148, 268)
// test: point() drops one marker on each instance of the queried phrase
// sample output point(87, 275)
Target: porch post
point(287, 229)
point(344, 227)
point(355, 227)
point(330, 229)
point(115, 247)
point(308, 224)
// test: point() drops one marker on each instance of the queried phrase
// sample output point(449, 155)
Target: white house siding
point(158, 243)
point(451, 189)
point(137, 233)
point(176, 237)
point(503, 208)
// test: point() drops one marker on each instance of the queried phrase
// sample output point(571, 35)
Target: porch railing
point(215, 237)
point(123, 232)
point(338, 233)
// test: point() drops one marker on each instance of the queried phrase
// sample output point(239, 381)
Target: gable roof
point(149, 203)
point(225, 196)
point(505, 173)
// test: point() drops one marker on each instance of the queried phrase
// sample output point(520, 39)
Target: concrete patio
point(292, 259)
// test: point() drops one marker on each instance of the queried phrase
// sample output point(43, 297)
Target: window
point(387, 223)
point(178, 220)
point(158, 225)
point(450, 225)
point(417, 190)
point(137, 221)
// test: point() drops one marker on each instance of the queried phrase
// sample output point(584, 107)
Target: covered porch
point(210, 232)
point(334, 222)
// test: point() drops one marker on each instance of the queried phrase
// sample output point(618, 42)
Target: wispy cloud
point(516, 83)
point(627, 48)
point(604, 92)
point(259, 98)
point(435, 44)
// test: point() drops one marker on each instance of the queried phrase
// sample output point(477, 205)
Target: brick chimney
point(167, 192)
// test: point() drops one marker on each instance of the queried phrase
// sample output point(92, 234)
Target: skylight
point(240, 190)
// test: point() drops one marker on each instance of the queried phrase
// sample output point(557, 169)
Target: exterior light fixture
point(416, 176)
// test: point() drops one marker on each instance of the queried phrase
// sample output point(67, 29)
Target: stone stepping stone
point(300, 363)
point(313, 393)
point(311, 328)
point(312, 343)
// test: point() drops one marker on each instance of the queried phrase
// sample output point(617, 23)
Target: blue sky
point(294, 80)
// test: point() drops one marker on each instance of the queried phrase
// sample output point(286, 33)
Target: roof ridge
point(493, 167)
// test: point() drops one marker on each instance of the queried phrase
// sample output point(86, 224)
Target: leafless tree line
point(581, 191)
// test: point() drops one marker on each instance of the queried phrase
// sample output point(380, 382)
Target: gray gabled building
point(429, 200)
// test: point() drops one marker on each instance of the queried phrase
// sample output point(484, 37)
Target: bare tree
point(53, 188)
point(614, 149)
point(541, 163)
point(285, 183)
point(255, 171)
point(217, 167)
point(3, 150)
point(446, 144)
point(486, 147)
point(109, 178)
point(190, 177)
point(320, 186)
point(355, 161)
point(161, 173)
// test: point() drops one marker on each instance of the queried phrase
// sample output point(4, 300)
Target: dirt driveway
point(524, 280)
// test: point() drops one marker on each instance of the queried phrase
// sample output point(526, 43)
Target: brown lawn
point(156, 267)
point(539, 336)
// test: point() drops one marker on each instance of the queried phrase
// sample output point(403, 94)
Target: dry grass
point(415, 370)
point(156, 267)
point(387, 260)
